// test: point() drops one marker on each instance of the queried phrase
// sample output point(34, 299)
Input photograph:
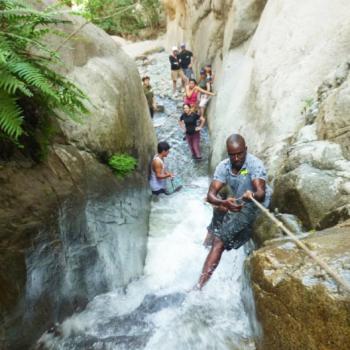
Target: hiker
point(192, 91)
point(176, 71)
point(189, 123)
point(209, 71)
point(158, 171)
point(231, 225)
point(205, 84)
point(147, 89)
point(186, 61)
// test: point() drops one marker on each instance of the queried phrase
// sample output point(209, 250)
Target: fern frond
point(34, 77)
point(11, 118)
point(11, 84)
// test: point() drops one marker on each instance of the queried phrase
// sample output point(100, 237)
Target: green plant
point(30, 89)
point(121, 17)
point(307, 103)
point(122, 164)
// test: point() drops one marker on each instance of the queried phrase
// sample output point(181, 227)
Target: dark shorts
point(234, 228)
point(159, 192)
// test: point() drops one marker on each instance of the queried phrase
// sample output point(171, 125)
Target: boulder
point(69, 229)
point(309, 193)
point(333, 119)
point(299, 306)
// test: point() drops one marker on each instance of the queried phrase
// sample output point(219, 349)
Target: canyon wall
point(282, 81)
point(69, 228)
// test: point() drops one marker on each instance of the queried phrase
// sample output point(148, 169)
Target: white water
point(157, 312)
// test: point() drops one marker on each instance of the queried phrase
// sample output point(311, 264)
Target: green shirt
point(149, 94)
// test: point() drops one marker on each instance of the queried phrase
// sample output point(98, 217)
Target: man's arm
point(158, 167)
point(212, 198)
point(259, 189)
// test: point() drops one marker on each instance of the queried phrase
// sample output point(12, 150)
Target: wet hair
point(146, 77)
point(194, 80)
point(163, 146)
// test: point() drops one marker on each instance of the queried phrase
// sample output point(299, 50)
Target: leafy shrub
point(121, 17)
point(122, 164)
point(30, 90)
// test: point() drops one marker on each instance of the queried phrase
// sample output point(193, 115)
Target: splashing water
point(158, 311)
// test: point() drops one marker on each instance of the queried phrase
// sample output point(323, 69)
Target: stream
point(158, 311)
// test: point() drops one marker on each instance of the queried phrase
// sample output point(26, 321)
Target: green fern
point(26, 63)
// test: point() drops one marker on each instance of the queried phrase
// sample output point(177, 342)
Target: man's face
point(146, 82)
point(237, 153)
point(165, 153)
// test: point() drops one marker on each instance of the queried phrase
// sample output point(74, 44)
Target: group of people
point(196, 95)
point(237, 180)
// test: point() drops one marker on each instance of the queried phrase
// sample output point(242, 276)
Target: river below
point(158, 311)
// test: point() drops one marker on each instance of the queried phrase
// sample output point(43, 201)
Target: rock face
point(282, 81)
point(69, 229)
point(299, 305)
point(270, 58)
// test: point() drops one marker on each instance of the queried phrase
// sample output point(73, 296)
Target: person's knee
point(218, 245)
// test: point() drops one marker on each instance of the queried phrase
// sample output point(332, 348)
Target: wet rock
point(264, 230)
point(62, 245)
point(298, 305)
point(308, 193)
point(68, 228)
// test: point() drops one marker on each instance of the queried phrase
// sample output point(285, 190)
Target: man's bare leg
point(211, 262)
point(208, 241)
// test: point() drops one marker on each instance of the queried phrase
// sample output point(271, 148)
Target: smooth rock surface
point(69, 228)
point(298, 304)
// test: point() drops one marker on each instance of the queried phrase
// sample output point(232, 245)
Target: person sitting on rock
point(191, 93)
point(176, 71)
point(186, 60)
point(246, 177)
point(158, 170)
point(147, 88)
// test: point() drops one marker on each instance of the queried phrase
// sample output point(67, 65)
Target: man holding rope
point(231, 225)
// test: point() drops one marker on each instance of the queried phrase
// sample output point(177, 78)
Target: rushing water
point(159, 310)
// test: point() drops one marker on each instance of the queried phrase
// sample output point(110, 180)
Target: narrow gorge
point(93, 261)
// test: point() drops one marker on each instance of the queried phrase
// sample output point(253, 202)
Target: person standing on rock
point(189, 123)
point(176, 71)
point(159, 174)
point(186, 60)
point(205, 84)
point(231, 225)
point(151, 101)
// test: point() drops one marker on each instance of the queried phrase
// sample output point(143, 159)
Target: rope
point(341, 281)
point(90, 21)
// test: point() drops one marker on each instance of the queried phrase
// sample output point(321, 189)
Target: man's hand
point(248, 195)
point(231, 205)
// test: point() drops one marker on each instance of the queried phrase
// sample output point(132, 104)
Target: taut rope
point(341, 281)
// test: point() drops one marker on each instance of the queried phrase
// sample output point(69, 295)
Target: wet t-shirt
point(253, 168)
point(190, 121)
